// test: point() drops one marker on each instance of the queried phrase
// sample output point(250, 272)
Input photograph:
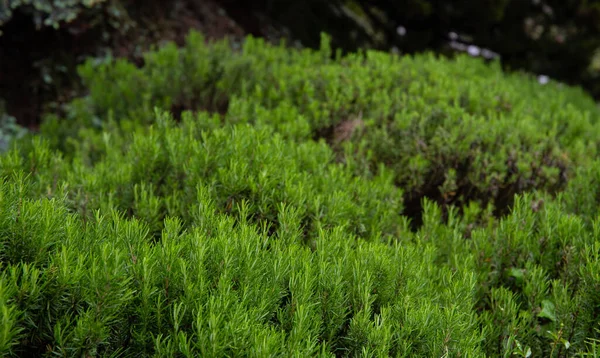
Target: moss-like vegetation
point(259, 201)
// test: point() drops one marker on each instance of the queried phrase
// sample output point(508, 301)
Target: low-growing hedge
point(222, 287)
point(127, 229)
point(454, 131)
point(189, 273)
point(155, 172)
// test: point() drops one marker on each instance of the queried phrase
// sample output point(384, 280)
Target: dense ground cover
point(262, 201)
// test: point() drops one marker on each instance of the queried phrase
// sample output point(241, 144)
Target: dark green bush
point(228, 230)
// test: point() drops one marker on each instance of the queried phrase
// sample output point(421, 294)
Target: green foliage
point(582, 196)
point(157, 172)
point(47, 12)
point(553, 37)
point(201, 275)
point(221, 286)
point(456, 131)
point(126, 230)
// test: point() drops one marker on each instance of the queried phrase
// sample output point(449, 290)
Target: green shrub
point(582, 195)
point(218, 280)
point(125, 230)
point(156, 171)
point(456, 131)
point(105, 286)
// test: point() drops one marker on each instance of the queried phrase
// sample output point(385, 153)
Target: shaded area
point(556, 38)
point(38, 67)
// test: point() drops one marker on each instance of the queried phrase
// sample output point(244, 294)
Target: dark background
point(40, 49)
